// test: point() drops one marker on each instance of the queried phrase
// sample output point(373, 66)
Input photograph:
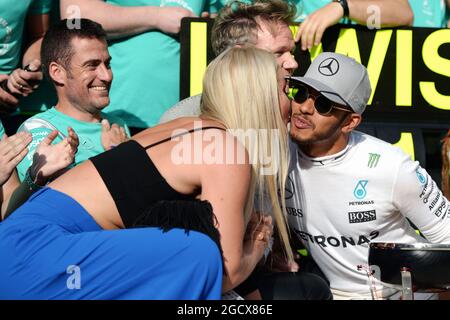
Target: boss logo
point(362, 216)
point(294, 212)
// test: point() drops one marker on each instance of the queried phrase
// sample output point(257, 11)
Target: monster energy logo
point(373, 160)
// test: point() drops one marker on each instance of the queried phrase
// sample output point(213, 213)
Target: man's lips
point(300, 122)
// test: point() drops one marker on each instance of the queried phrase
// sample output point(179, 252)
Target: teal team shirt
point(12, 23)
point(44, 97)
point(306, 7)
point(89, 135)
point(2, 130)
point(429, 13)
point(146, 68)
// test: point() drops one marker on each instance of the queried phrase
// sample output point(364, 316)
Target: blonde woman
point(77, 238)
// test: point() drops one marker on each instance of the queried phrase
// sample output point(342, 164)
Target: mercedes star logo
point(329, 67)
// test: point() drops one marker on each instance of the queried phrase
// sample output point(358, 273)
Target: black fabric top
point(133, 180)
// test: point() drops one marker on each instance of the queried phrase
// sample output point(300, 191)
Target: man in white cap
point(346, 188)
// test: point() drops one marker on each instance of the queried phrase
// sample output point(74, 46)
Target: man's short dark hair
point(56, 46)
point(238, 22)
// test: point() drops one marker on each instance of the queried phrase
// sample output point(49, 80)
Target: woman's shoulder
point(179, 127)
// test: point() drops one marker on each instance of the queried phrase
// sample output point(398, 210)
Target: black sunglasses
point(300, 93)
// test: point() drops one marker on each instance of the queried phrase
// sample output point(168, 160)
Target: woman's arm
point(226, 187)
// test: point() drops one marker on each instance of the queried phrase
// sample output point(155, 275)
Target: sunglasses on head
point(300, 93)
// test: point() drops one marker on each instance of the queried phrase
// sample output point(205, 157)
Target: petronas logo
point(421, 177)
point(373, 160)
point(360, 189)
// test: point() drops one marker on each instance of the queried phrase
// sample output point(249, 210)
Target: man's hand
point(112, 135)
point(8, 103)
point(23, 82)
point(311, 30)
point(170, 19)
point(49, 160)
point(12, 150)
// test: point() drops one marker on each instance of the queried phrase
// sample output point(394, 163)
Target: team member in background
point(23, 25)
point(77, 61)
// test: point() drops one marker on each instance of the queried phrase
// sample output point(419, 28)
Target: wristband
point(344, 5)
point(30, 182)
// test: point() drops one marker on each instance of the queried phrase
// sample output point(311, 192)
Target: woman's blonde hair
point(240, 90)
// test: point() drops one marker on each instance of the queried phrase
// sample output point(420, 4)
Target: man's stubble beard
point(329, 136)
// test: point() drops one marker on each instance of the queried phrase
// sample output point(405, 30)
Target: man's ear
point(57, 73)
point(351, 122)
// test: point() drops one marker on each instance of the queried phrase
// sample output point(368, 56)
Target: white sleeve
point(420, 199)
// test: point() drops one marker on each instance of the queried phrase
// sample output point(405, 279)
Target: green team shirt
point(88, 133)
point(429, 13)
point(146, 68)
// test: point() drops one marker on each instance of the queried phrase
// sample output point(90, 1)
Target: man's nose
point(289, 63)
point(104, 73)
point(306, 107)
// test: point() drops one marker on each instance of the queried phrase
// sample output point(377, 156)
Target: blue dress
point(51, 248)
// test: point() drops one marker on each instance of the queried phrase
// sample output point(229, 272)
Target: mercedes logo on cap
point(329, 67)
